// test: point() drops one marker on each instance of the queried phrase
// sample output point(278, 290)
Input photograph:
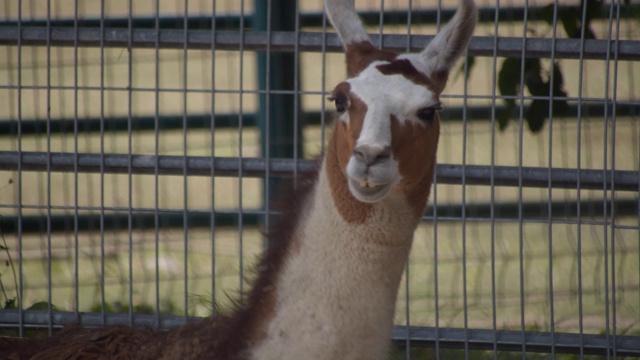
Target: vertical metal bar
point(323, 81)
point(266, 133)
point(157, 165)
point(407, 290)
point(240, 152)
point(439, 16)
point(435, 266)
point(520, 164)
point(550, 274)
point(102, 154)
point(492, 178)
point(549, 188)
point(614, 5)
point(130, 154)
point(463, 218)
point(48, 99)
point(185, 180)
point(76, 269)
point(213, 147)
point(613, 169)
point(380, 24)
point(604, 185)
point(278, 71)
point(578, 188)
point(297, 148)
point(20, 238)
point(435, 235)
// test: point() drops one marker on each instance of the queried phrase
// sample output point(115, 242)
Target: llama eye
point(427, 114)
point(340, 103)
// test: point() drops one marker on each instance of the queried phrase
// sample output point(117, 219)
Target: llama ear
point(342, 15)
point(358, 47)
point(452, 41)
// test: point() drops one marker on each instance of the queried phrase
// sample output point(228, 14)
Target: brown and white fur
point(327, 287)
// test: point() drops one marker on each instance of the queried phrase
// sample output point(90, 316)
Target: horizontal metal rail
point(507, 340)
point(203, 121)
point(389, 17)
point(145, 219)
point(477, 339)
point(536, 177)
point(305, 41)
point(39, 319)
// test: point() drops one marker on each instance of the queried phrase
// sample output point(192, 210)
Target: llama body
point(338, 293)
point(326, 288)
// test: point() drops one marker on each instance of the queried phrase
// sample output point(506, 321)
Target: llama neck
point(336, 292)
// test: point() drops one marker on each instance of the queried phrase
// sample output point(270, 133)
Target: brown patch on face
point(414, 148)
point(404, 67)
point(339, 151)
point(360, 55)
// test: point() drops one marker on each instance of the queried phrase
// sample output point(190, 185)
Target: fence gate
point(140, 143)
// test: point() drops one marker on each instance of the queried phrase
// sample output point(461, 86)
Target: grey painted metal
point(306, 41)
point(145, 218)
point(48, 175)
point(20, 184)
point(204, 121)
point(314, 19)
point(520, 210)
point(185, 186)
point(579, 119)
point(507, 340)
point(156, 127)
point(538, 177)
point(212, 129)
point(39, 319)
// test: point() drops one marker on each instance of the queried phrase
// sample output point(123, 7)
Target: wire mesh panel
point(142, 144)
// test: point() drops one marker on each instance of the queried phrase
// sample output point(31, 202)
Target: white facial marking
point(386, 95)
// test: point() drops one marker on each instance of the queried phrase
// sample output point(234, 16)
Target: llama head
point(387, 125)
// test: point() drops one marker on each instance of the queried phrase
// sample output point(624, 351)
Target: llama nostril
point(370, 154)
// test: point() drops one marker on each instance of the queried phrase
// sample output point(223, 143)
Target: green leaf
point(509, 85)
point(594, 8)
point(560, 107)
point(546, 13)
point(41, 305)
point(509, 77)
point(505, 115)
point(572, 19)
point(570, 22)
point(533, 78)
point(536, 114)
point(10, 304)
point(471, 60)
point(143, 309)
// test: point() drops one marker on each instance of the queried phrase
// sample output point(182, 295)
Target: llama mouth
point(368, 184)
point(368, 191)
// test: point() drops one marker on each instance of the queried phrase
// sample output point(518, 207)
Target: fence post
point(277, 71)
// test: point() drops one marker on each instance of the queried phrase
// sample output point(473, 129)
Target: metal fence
point(140, 143)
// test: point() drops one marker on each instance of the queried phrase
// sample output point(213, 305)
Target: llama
point(327, 287)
